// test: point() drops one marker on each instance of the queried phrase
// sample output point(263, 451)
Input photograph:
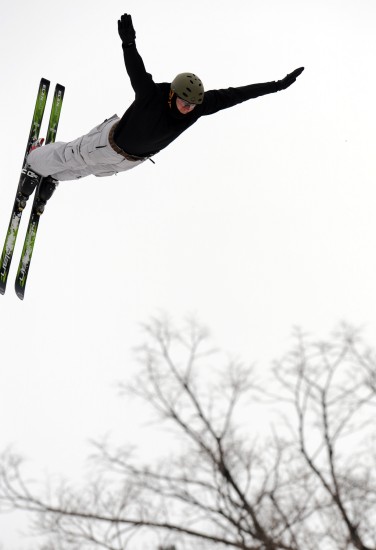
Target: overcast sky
point(257, 219)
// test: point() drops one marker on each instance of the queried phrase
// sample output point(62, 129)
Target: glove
point(289, 79)
point(126, 30)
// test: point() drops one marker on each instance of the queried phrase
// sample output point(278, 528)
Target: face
point(183, 106)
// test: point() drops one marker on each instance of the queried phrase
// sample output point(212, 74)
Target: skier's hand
point(289, 79)
point(126, 30)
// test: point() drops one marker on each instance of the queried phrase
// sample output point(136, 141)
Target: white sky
point(257, 219)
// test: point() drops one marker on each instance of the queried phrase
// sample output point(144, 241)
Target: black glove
point(126, 30)
point(289, 79)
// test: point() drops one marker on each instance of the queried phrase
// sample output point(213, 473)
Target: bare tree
point(332, 389)
point(310, 484)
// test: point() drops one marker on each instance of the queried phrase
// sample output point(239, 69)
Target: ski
point(38, 205)
point(20, 200)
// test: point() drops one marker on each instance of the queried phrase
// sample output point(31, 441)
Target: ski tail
point(32, 228)
point(19, 203)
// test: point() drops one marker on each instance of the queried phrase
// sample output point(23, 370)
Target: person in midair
point(159, 113)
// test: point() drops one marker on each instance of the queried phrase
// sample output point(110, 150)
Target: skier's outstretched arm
point(141, 80)
point(216, 100)
point(289, 79)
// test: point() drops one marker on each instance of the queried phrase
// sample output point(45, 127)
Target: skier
point(158, 115)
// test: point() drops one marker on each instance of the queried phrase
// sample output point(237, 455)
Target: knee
point(36, 163)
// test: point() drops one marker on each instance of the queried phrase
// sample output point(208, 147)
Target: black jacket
point(150, 124)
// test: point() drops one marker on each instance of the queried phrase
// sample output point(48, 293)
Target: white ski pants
point(87, 155)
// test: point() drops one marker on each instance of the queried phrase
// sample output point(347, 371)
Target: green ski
point(38, 203)
point(20, 200)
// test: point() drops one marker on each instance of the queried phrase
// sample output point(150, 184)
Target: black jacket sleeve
point(216, 100)
point(141, 81)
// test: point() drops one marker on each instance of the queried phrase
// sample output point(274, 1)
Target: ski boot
point(28, 183)
point(30, 178)
point(46, 190)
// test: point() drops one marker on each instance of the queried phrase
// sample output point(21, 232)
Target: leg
point(49, 159)
point(75, 159)
point(90, 154)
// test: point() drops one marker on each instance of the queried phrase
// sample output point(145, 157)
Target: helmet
point(189, 87)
